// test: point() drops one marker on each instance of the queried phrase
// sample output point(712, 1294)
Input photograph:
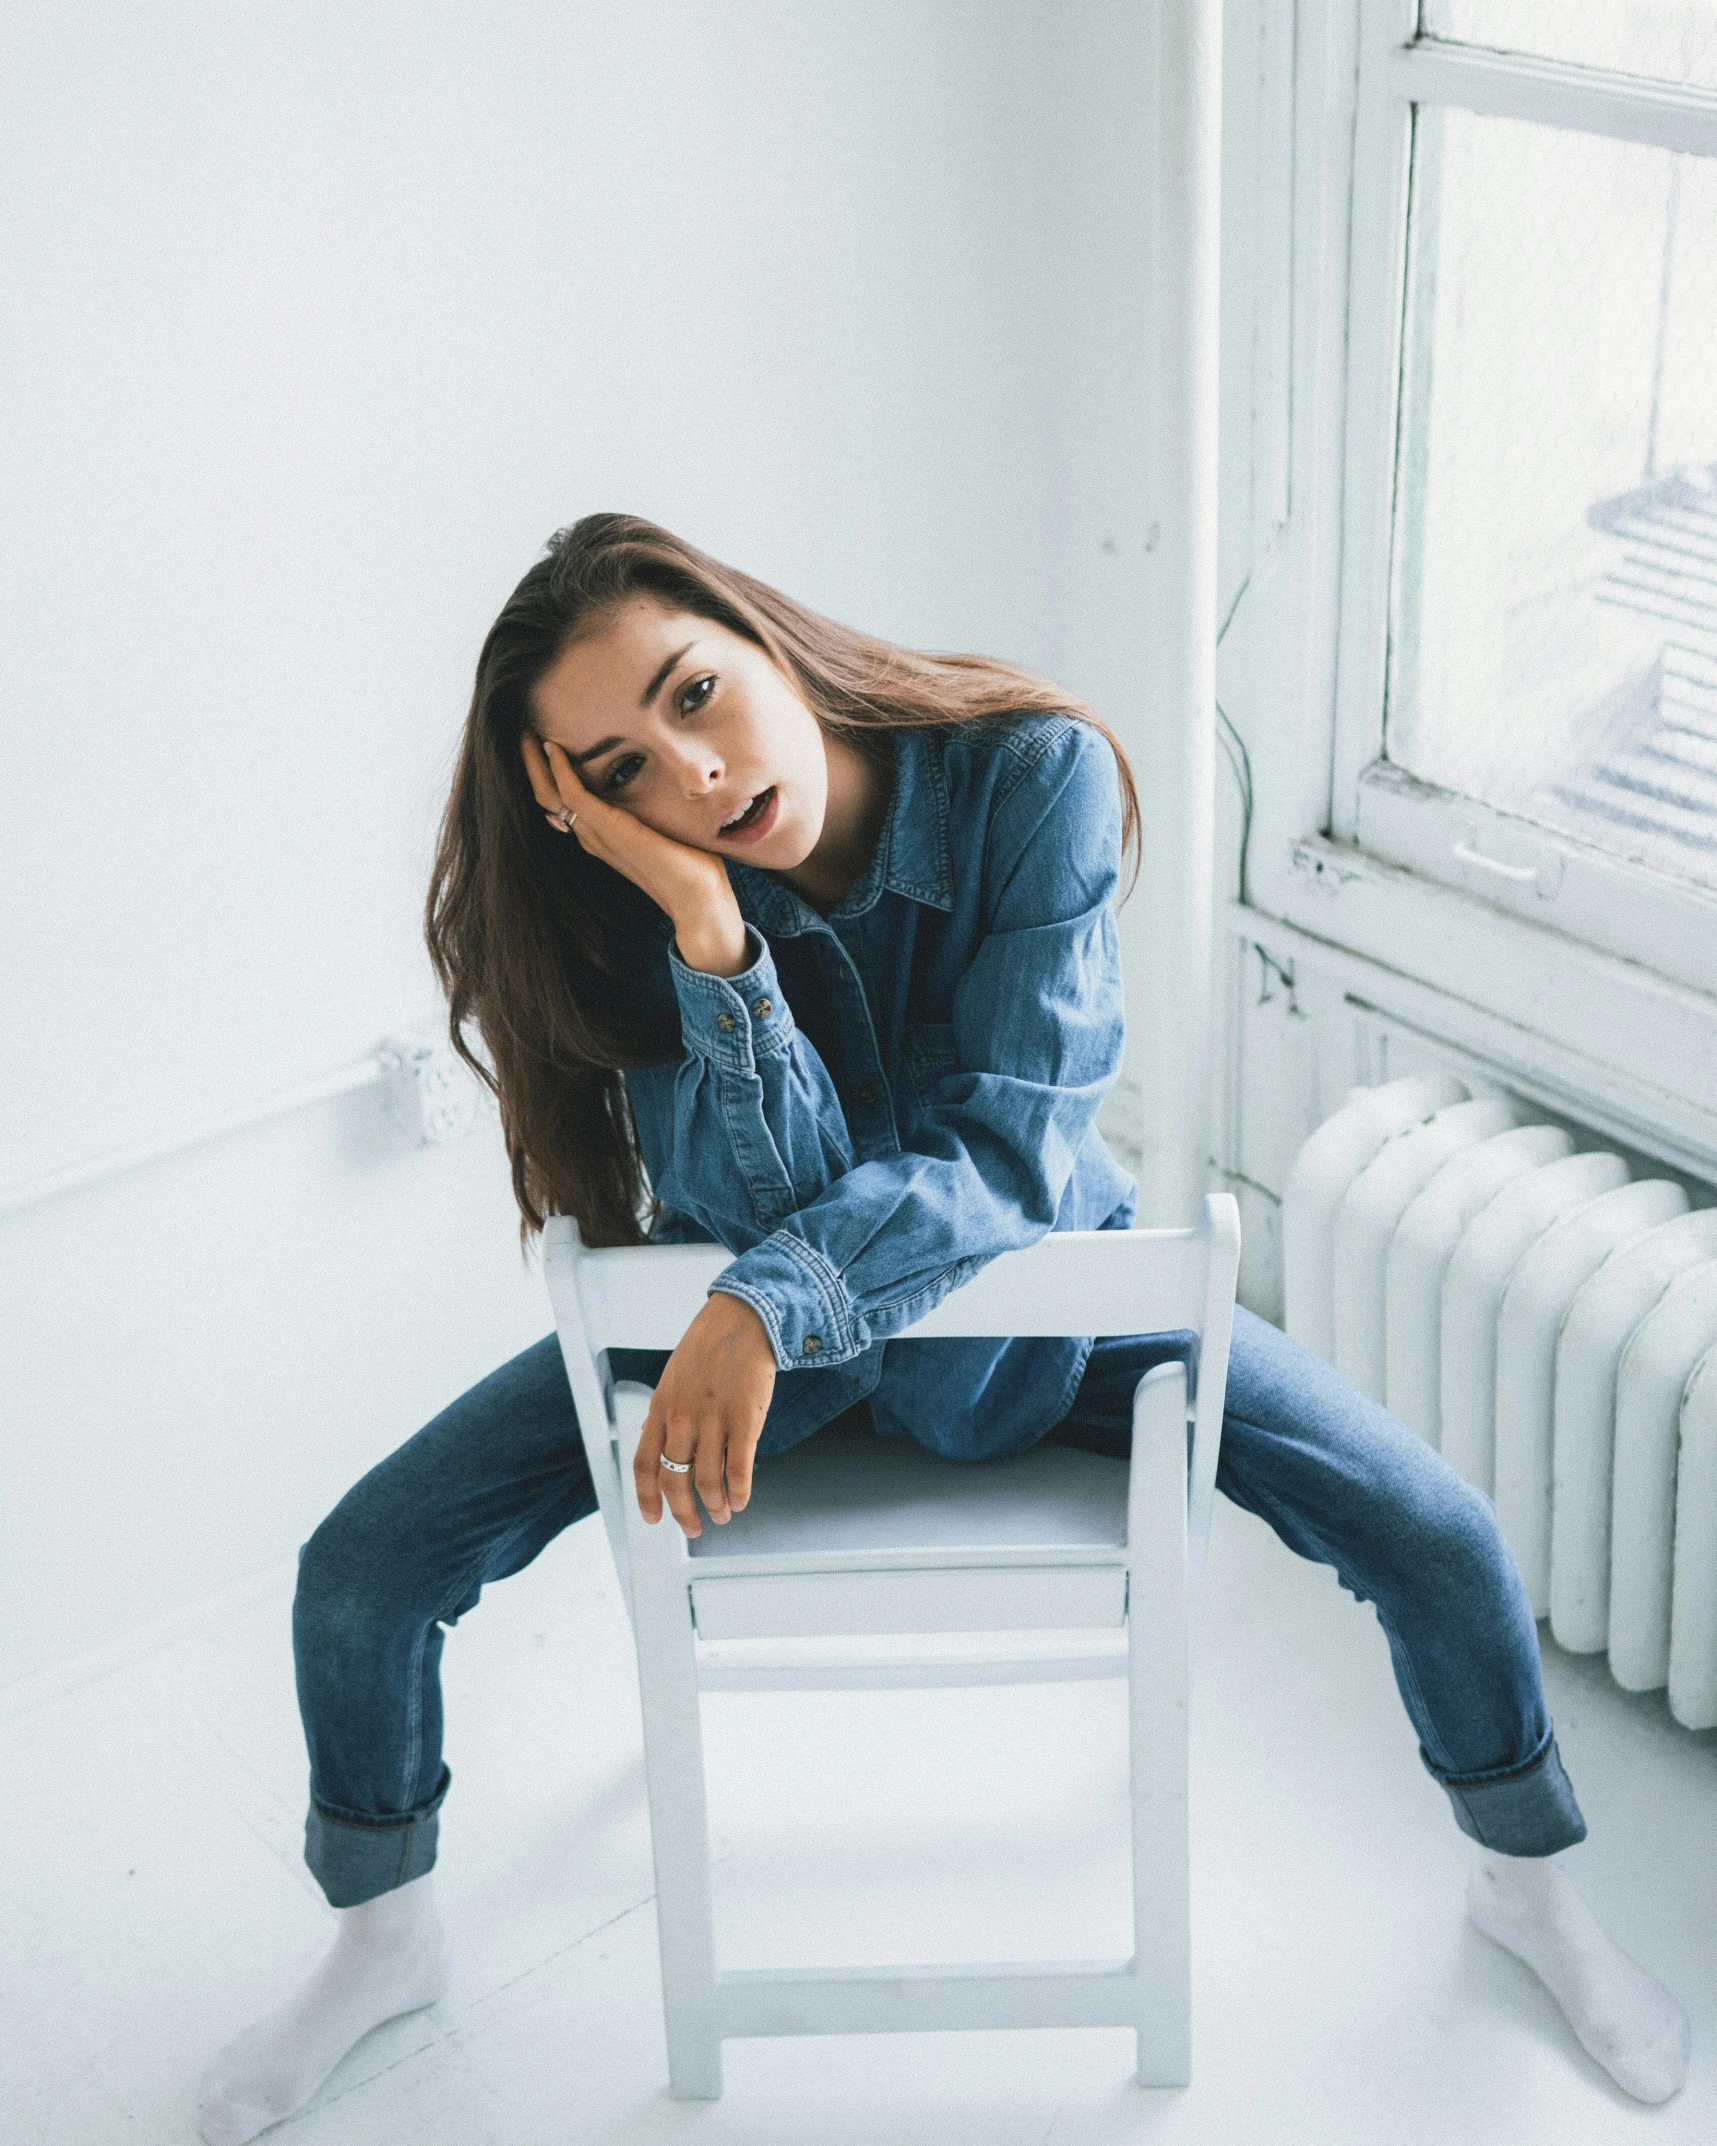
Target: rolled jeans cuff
point(354, 1858)
point(1517, 1810)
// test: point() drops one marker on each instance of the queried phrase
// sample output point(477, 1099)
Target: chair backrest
point(1093, 1282)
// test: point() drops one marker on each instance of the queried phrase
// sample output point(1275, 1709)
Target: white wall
point(321, 318)
point(326, 318)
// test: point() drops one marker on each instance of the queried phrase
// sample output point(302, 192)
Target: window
point(1527, 695)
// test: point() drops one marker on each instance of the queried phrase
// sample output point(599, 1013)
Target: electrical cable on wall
point(1233, 742)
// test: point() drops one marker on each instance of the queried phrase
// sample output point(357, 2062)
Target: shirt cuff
point(810, 1318)
point(733, 1020)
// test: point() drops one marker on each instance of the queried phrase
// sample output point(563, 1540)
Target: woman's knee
point(1443, 1540)
point(366, 1565)
point(472, 1494)
point(1448, 1519)
point(1307, 1448)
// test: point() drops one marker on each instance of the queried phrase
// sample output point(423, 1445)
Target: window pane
point(1554, 644)
point(1670, 40)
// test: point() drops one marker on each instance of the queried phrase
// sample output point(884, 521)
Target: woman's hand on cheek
point(709, 1409)
point(689, 885)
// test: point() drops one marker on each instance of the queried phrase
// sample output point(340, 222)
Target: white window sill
point(1582, 893)
point(1628, 1050)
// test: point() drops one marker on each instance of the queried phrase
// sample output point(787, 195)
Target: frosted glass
point(1669, 40)
point(1554, 646)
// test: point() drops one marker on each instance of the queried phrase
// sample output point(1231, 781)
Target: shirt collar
point(911, 857)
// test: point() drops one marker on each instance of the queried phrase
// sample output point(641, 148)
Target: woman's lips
point(755, 828)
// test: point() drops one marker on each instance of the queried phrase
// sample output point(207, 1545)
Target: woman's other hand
point(708, 1408)
point(689, 885)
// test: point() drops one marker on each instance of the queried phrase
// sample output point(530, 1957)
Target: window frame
point(1575, 888)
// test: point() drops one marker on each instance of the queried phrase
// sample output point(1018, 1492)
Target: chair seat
point(846, 1490)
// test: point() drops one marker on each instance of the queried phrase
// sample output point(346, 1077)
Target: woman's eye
point(695, 693)
point(623, 770)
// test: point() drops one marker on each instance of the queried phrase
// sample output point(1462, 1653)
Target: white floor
point(154, 1900)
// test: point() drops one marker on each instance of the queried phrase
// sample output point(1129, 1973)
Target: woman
point(785, 938)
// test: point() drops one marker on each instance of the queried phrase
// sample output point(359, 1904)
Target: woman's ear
point(543, 786)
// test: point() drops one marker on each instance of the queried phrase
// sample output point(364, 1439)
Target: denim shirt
point(889, 1096)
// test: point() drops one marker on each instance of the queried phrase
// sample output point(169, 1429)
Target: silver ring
point(680, 1467)
point(567, 816)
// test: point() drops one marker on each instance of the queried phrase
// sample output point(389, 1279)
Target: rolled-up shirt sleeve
point(1009, 1094)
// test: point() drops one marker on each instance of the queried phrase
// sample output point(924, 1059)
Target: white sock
point(389, 1956)
point(1626, 2020)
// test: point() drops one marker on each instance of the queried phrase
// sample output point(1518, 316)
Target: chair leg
point(679, 1815)
point(1158, 1640)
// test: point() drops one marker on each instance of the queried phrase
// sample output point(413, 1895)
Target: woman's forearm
point(747, 1126)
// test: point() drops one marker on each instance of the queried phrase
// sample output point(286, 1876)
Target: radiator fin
point(1534, 1306)
point(1492, 1246)
point(1324, 1168)
point(1600, 1322)
point(1656, 1367)
point(1370, 1211)
point(1693, 1627)
point(1419, 1255)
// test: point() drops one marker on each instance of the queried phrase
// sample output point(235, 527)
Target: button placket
point(870, 1118)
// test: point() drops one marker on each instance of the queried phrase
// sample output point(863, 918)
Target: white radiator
point(1549, 1322)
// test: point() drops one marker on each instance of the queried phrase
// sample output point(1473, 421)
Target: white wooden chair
point(870, 1562)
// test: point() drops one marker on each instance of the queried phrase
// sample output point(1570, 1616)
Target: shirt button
point(867, 1095)
point(725, 1022)
point(813, 1344)
point(762, 1008)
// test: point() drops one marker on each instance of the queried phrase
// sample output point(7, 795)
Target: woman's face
point(692, 729)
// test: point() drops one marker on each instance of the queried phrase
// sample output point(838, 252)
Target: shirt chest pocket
point(930, 1058)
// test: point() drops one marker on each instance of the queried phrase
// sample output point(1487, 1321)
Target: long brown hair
point(533, 940)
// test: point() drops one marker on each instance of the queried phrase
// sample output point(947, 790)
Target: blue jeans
point(478, 1492)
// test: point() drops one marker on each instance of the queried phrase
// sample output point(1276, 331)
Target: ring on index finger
point(566, 816)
